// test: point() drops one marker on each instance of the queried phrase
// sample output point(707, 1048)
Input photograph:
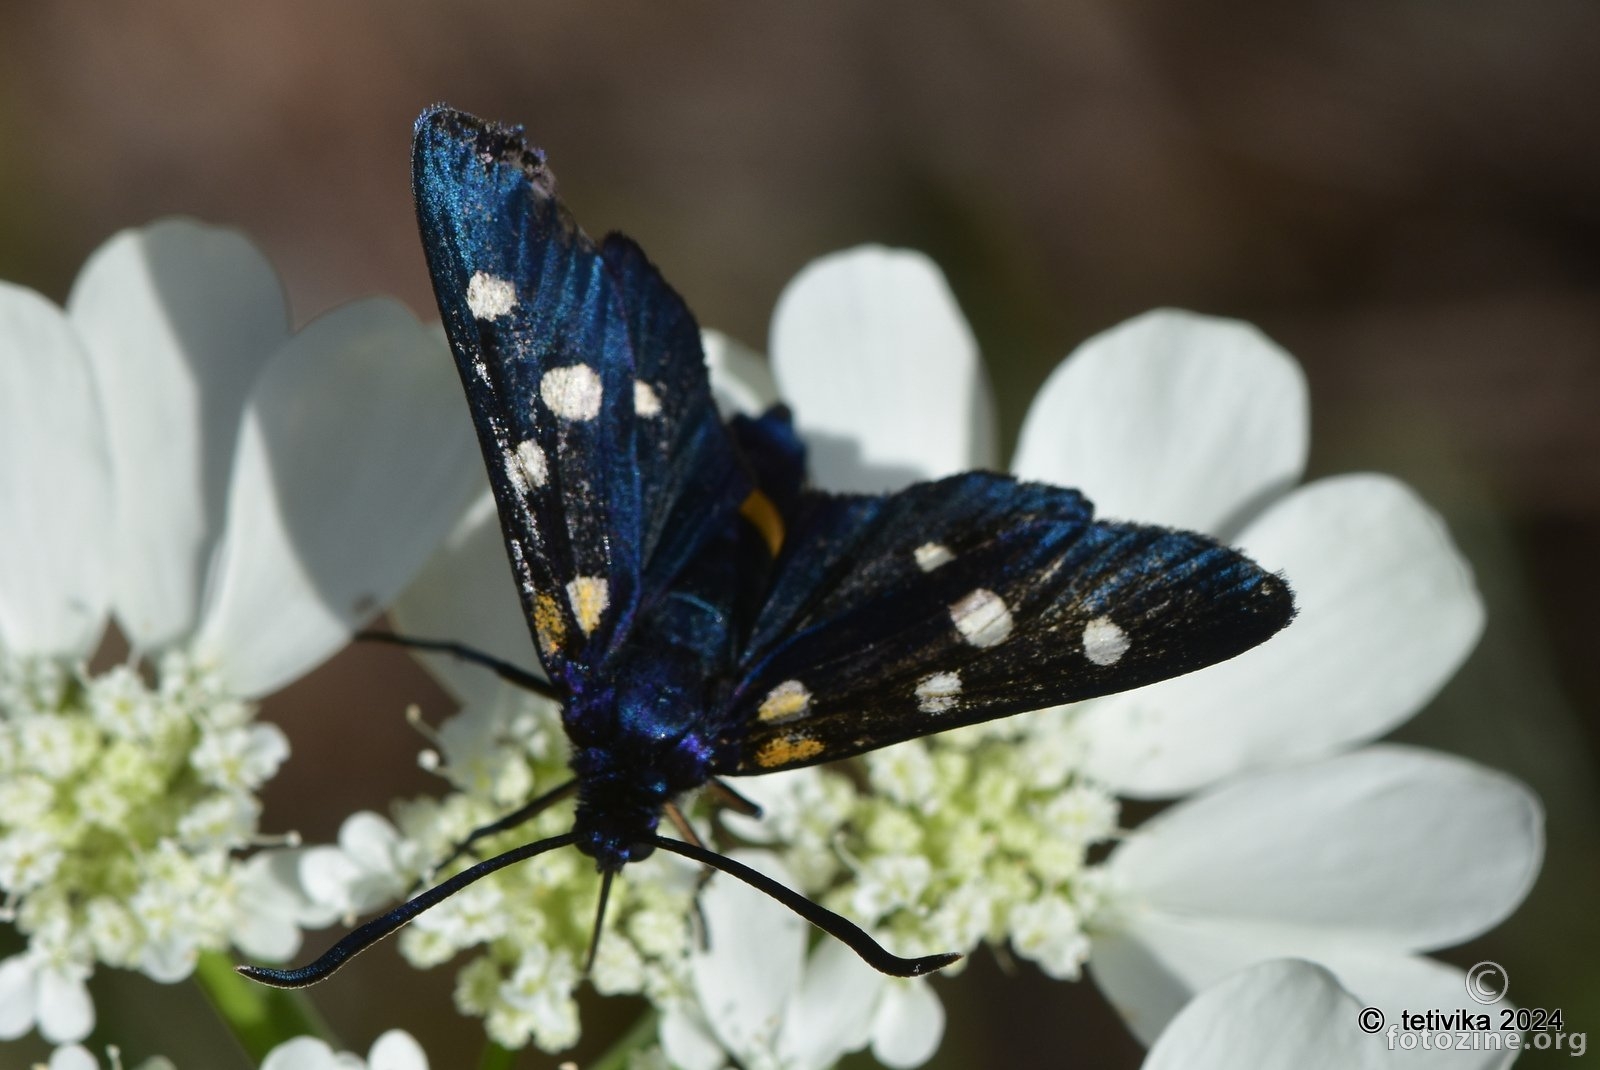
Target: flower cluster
point(984, 835)
point(121, 806)
point(240, 497)
point(531, 924)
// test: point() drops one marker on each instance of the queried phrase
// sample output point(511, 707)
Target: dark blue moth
point(699, 611)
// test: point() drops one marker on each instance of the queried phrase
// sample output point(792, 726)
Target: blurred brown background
point(1406, 194)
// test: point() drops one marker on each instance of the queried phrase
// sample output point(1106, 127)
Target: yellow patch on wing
point(763, 516)
point(786, 750)
point(785, 702)
point(548, 623)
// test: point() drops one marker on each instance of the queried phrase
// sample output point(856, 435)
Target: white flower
point(241, 497)
point(761, 998)
point(371, 866)
point(44, 987)
point(1190, 421)
point(394, 1050)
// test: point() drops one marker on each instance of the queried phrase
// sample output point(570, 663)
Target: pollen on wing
point(930, 555)
point(589, 596)
point(786, 750)
point(573, 392)
point(938, 692)
point(1103, 642)
point(548, 624)
point(525, 466)
point(785, 702)
point(489, 298)
point(645, 400)
point(982, 618)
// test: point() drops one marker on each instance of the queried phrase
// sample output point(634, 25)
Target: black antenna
point(840, 928)
point(514, 674)
point(509, 821)
point(599, 919)
point(376, 929)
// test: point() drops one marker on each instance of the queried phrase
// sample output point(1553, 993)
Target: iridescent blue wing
point(586, 383)
point(972, 598)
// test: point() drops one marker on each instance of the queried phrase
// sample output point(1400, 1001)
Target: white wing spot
point(930, 555)
point(573, 392)
point(785, 702)
point(526, 467)
point(489, 298)
point(589, 596)
point(939, 692)
point(1103, 642)
point(645, 400)
point(982, 618)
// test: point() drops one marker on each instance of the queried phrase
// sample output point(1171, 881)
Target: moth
point(701, 612)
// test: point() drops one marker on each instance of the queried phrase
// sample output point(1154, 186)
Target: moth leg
point(733, 800)
point(686, 830)
point(509, 821)
point(513, 674)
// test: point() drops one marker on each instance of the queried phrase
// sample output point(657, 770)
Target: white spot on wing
point(785, 702)
point(645, 400)
point(526, 467)
point(489, 298)
point(930, 555)
point(589, 596)
point(982, 618)
point(573, 392)
point(1103, 642)
point(939, 692)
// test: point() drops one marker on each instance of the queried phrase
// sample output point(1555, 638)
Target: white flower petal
point(355, 458)
point(833, 1011)
point(1373, 854)
point(1387, 612)
point(1408, 848)
point(396, 1050)
point(1171, 418)
point(909, 1024)
point(73, 1057)
point(741, 381)
point(17, 996)
point(871, 350)
point(179, 319)
point(686, 1043)
point(466, 593)
point(754, 964)
point(66, 1013)
point(1280, 1013)
point(55, 485)
point(300, 1053)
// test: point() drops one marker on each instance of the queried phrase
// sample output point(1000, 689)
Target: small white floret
point(573, 392)
point(938, 692)
point(930, 555)
point(982, 618)
point(1103, 642)
point(489, 298)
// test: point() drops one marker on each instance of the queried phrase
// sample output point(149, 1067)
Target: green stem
point(640, 1036)
point(259, 1017)
point(496, 1058)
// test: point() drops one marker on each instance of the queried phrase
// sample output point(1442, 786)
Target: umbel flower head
point(240, 496)
point(1291, 840)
